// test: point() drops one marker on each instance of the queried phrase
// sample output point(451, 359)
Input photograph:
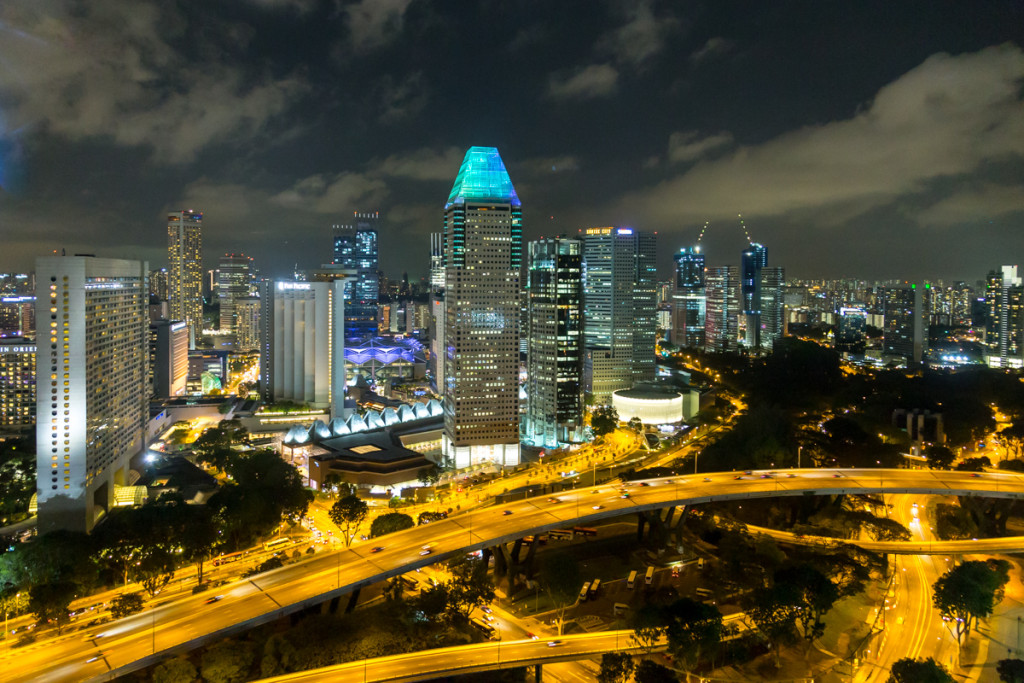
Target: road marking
point(265, 593)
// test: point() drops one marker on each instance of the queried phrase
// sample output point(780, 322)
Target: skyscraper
point(905, 333)
point(554, 355)
point(17, 384)
point(722, 286)
point(1004, 301)
point(619, 294)
point(302, 342)
point(247, 326)
point(355, 248)
point(753, 259)
point(483, 254)
point(185, 269)
point(773, 282)
point(92, 393)
point(688, 299)
point(232, 284)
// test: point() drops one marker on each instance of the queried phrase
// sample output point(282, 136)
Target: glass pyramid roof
point(482, 177)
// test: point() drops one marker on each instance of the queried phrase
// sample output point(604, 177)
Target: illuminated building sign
point(283, 286)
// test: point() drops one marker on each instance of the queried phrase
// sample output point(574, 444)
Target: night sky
point(857, 139)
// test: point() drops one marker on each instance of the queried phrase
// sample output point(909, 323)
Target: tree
point(50, 602)
point(177, 670)
point(635, 425)
point(648, 624)
point(126, 604)
point(649, 672)
point(693, 628)
point(773, 612)
point(604, 420)
point(939, 457)
point(908, 670)
point(470, 587)
point(154, 570)
point(389, 523)
point(560, 575)
point(616, 667)
point(1011, 670)
point(969, 592)
point(811, 592)
point(199, 538)
point(349, 513)
point(974, 464)
point(227, 662)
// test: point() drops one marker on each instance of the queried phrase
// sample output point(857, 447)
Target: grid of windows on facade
point(355, 249)
point(185, 271)
point(60, 386)
point(17, 383)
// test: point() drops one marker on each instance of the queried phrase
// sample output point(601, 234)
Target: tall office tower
point(168, 358)
point(554, 354)
point(688, 299)
point(754, 258)
point(773, 283)
point(620, 317)
point(302, 342)
point(483, 253)
point(158, 284)
point(17, 384)
point(185, 269)
point(247, 326)
point(721, 329)
point(852, 329)
point(905, 332)
point(355, 248)
point(232, 285)
point(92, 412)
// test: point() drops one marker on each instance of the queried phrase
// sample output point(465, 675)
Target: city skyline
point(856, 148)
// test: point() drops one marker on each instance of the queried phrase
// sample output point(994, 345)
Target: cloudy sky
point(857, 139)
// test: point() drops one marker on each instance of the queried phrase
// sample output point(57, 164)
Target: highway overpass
point(189, 622)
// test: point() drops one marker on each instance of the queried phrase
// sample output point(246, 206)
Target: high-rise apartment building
point(92, 387)
point(247, 324)
point(721, 330)
point(1004, 306)
point(905, 331)
point(689, 302)
point(772, 317)
point(232, 284)
point(185, 269)
point(482, 256)
point(302, 342)
point(17, 384)
point(355, 248)
point(168, 358)
point(554, 354)
point(619, 295)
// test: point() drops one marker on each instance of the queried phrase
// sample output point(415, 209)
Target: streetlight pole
point(799, 451)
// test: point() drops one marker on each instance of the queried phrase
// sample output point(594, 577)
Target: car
point(532, 636)
point(597, 507)
point(837, 476)
point(624, 495)
point(791, 475)
point(554, 643)
point(766, 476)
point(554, 500)
point(377, 549)
point(486, 610)
point(506, 512)
point(748, 472)
point(215, 598)
point(644, 483)
point(426, 551)
point(98, 656)
point(738, 476)
point(975, 474)
point(707, 478)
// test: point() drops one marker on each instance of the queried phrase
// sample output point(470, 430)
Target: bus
point(631, 581)
point(649, 576)
point(594, 587)
point(584, 531)
point(410, 583)
point(229, 558)
point(584, 592)
point(277, 543)
point(483, 627)
point(560, 534)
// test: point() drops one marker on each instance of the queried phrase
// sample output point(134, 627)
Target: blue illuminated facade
point(355, 248)
point(754, 258)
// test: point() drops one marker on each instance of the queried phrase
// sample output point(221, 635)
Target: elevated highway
point(979, 546)
point(190, 622)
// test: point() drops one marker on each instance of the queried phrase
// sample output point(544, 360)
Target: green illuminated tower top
point(482, 177)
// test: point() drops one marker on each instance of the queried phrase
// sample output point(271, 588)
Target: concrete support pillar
point(353, 600)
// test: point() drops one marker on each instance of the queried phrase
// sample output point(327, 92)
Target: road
point(188, 622)
point(419, 666)
point(915, 546)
